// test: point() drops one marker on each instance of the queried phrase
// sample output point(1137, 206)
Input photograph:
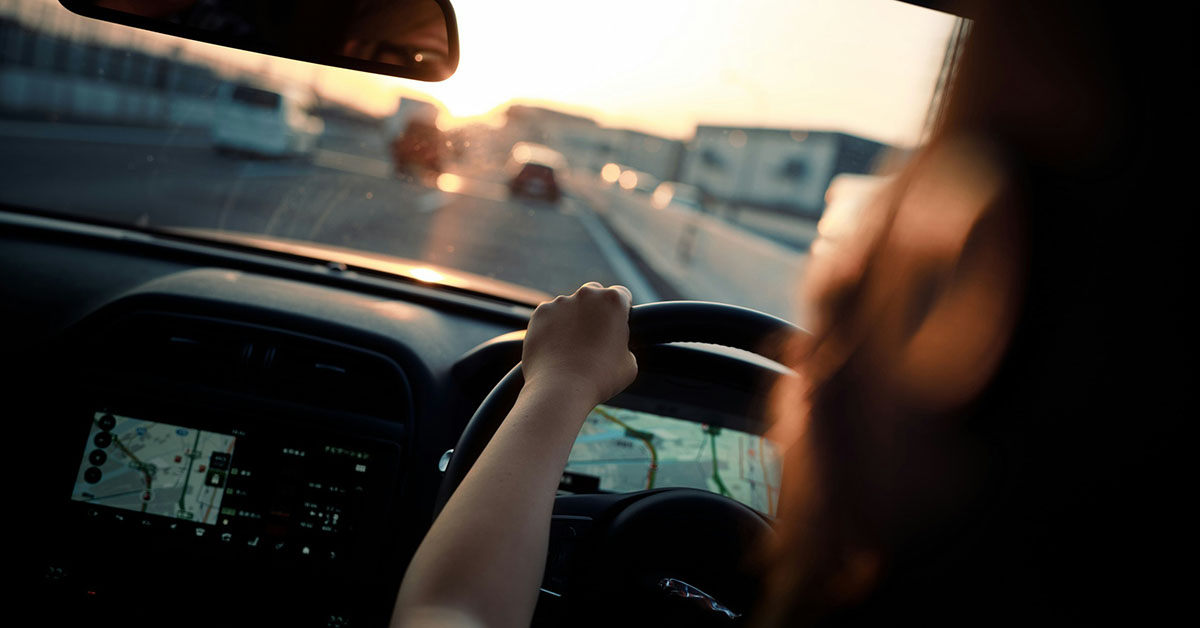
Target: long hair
point(952, 437)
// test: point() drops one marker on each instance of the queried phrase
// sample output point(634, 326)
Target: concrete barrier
point(701, 256)
point(32, 92)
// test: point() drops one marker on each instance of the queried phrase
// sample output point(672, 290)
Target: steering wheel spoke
point(667, 556)
point(570, 526)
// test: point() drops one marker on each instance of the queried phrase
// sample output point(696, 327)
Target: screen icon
point(215, 478)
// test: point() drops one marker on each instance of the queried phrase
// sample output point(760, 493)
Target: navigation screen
point(622, 450)
point(154, 468)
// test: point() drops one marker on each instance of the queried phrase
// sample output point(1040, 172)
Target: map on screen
point(154, 468)
point(630, 450)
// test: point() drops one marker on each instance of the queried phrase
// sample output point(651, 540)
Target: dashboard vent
point(260, 361)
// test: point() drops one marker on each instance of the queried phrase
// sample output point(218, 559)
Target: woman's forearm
point(483, 558)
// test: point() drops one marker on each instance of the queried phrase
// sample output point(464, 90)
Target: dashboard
point(212, 436)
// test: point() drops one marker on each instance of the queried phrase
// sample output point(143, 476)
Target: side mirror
point(416, 39)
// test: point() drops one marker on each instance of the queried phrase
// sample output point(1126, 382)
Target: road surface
point(173, 178)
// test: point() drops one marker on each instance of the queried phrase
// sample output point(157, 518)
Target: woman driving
point(967, 438)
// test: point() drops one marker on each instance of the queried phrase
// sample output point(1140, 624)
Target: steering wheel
point(667, 556)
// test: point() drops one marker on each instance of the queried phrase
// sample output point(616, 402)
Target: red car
point(532, 172)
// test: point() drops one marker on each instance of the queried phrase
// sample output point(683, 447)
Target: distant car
point(533, 172)
point(646, 183)
point(680, 194)
point(611, 173)
point(267, 122)
point(637, 181)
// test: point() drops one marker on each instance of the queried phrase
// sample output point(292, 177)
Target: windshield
point(748, 110)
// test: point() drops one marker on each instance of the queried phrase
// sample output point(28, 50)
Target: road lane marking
point(615, 255)
point(479, 188)
point(258, 170)
point(334, 204)
point(352, 164)
point(234, 192)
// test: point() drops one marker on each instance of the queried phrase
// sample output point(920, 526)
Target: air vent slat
point(260, 361)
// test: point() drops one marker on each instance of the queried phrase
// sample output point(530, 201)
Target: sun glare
point(664, 67)
point(428, 274)
point(448, 182)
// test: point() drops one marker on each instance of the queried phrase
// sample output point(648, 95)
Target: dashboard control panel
point(277, 494)
point(218, 509)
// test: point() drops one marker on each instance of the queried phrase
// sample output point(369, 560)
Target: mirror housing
point(415, 39)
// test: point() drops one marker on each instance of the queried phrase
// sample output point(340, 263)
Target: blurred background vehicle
point(533, 172)
point(637, 181)
point(252, 118)
point(610, 173)
point(416, 142)
point(646, 183)
point(676, 193)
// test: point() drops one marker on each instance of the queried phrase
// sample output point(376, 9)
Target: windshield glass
point(684, 149)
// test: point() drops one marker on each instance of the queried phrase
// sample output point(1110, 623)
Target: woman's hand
point(576, 355)
point(581, 343)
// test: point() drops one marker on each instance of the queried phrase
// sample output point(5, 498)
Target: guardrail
point(72, 98)
point(701, 256)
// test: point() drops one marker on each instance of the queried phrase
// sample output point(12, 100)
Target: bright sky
point(864, 66)
point(663, 66)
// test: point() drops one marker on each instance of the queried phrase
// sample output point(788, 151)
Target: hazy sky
point(663, 66)
point(865, 66)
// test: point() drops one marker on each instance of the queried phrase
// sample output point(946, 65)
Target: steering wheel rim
point(616, 525)
point(649, 324)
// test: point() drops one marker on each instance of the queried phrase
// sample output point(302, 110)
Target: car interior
point(216, 429)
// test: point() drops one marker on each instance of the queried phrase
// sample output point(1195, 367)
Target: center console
point(164, 499)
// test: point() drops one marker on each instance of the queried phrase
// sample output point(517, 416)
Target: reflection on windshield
point(406, 33)
point(673, 195)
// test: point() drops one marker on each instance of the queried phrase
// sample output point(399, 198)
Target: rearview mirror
point(415, 39)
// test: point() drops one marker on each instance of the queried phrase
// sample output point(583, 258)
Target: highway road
point(170, 178)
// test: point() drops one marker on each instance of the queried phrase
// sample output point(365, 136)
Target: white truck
point(263, 120)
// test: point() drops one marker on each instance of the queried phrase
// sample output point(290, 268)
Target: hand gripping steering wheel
point(668, 556)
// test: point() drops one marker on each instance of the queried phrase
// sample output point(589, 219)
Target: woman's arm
point(481, 563)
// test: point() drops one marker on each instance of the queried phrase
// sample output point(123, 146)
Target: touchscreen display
point(624, 450)
point(154, 468)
